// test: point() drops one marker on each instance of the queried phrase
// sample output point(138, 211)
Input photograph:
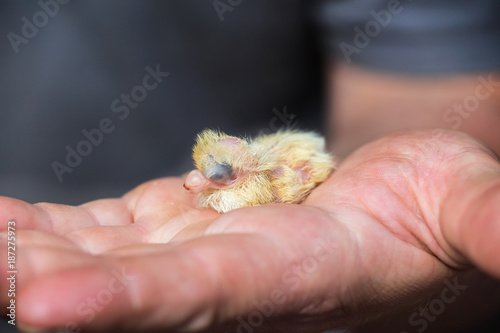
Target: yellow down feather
point(280, 167)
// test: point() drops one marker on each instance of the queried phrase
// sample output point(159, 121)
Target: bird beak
point(196, 182)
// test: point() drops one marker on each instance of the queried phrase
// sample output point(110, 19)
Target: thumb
point(470, 215)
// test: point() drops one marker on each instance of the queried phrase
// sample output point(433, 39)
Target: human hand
point(398, 217)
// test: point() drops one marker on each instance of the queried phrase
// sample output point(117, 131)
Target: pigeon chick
point(233, 172)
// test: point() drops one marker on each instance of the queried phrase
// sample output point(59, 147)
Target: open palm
point(398, 217)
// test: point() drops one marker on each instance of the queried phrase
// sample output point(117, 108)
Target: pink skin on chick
point(196, 182)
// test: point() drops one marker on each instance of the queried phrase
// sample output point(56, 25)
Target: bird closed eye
point(219, 172)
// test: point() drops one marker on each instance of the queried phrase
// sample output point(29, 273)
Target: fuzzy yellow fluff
point(280, 167)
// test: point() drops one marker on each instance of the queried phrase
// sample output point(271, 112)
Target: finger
point(62, 219)
point(99, 239)
point(187, 224)
point(104, 212)
point(150, 204)
point(163, 214)
point(184, 225)
point(22, 215)
point(471, 216)
point(109, 212)
point(36, 252)
point(27, 238)
point(194, 283)
point(157, 201)
point(98, 299)
point(30, 267)
point(303, 262)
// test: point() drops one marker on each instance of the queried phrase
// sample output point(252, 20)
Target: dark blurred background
point(228, 66)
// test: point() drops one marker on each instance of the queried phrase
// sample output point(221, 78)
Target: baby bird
point(233, 172)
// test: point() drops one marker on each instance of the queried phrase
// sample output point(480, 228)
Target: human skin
point(366, 104)
point(398, 217)
point(402, 214)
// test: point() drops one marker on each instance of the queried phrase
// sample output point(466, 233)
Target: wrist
point(365, 105)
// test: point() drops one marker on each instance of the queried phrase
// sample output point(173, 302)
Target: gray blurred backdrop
point(62, 68)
